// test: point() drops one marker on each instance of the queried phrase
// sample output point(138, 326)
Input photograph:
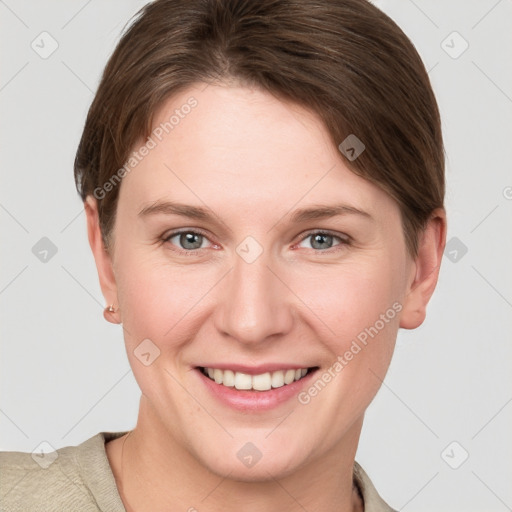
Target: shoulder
point(70, 478)
point(372, 500)
point(36, 482)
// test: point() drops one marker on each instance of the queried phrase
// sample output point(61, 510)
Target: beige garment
point(80, 479)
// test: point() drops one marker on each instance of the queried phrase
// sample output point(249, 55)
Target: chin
point(261, 471)
point(257, 461)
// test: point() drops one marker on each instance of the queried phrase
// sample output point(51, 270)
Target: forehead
point(243, 148)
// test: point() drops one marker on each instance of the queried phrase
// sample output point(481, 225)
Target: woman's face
point(249, 287)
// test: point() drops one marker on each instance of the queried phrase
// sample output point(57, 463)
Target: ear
point(103, 260)
point(425, 271)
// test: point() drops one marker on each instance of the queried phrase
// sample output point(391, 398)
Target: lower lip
point(254, 400)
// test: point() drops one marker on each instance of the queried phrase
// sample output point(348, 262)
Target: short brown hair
point(345, 60)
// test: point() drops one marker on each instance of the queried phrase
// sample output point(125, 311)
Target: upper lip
point(255, 370)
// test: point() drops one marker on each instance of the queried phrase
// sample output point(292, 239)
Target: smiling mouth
point(261, 382)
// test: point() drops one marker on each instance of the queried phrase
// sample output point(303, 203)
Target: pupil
point(190, 238)
point(321, 239)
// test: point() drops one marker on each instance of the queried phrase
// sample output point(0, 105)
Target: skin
point(252, 160)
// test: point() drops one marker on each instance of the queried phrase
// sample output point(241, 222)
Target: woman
point(263, 184)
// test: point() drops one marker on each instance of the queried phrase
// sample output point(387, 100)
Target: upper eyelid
point(172, 234)
point(329, 232)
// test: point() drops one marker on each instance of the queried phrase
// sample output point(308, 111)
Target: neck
point(155, 472)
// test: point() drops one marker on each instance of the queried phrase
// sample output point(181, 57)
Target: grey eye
point(189, 240)
point(321, 241)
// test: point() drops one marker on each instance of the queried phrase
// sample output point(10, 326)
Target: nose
point(254, 304)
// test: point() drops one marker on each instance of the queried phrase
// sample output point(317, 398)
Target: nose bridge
point(254, 303)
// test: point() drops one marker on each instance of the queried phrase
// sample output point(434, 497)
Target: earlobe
point(103, 261)
point(425, 271)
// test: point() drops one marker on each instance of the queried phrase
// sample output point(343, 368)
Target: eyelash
point(344, 240)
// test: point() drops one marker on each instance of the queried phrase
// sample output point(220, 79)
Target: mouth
point(266, 381)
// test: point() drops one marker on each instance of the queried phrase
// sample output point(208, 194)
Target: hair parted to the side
point(345, 60)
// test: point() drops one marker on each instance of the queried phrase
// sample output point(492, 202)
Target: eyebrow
point(327, 211)
point(314, 212)
point(171, 208)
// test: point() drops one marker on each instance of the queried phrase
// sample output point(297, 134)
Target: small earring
point(108, 314)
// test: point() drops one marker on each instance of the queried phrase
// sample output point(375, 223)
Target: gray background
point(64, 371)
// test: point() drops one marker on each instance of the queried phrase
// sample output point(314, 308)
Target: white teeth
point(228, 379)
point(262, 382)
point(242, 381)
point(217, 375)
point(277, 379)
point(289, 376)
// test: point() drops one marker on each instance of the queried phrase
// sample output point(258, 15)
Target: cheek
point(347, 303)
point(357, 315)
point(159, 300)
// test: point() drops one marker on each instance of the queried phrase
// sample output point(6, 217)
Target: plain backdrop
point(437, 436)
